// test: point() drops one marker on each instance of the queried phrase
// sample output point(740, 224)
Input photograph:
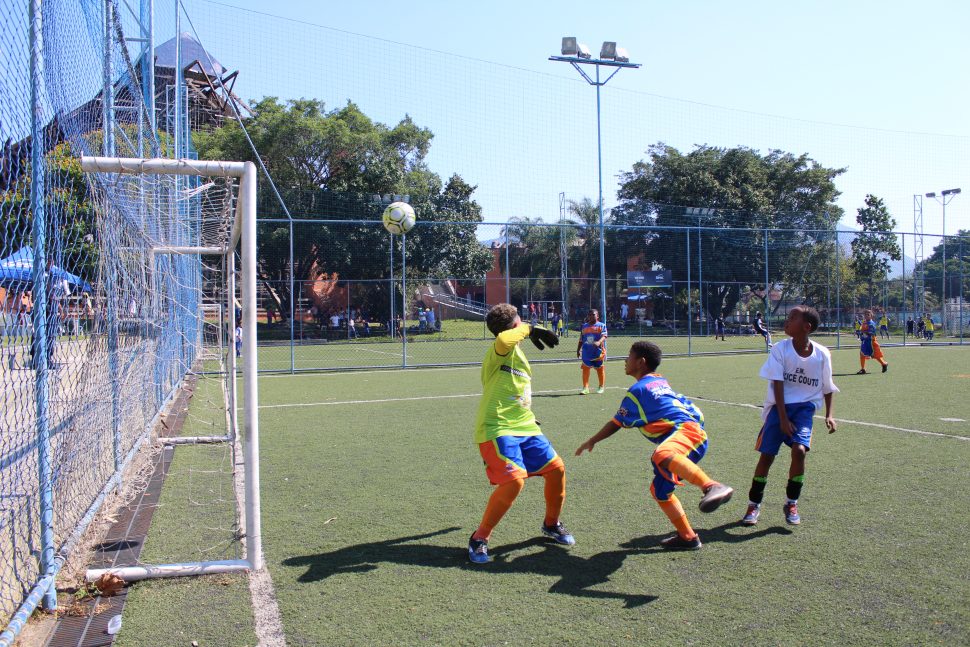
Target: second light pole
point(576, 54)
point(944, 198)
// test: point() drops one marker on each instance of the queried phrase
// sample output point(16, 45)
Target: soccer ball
point(398, 217)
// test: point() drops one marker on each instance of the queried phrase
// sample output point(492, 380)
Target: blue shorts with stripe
point(770, 438)
point(517, 457)
point(687, 439)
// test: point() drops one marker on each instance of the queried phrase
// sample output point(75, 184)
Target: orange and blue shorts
point(508, 458)
point(685, 439)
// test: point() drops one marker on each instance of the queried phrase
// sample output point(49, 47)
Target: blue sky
point(874, 86)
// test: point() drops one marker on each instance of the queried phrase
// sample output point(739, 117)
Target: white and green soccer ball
point(398, 218)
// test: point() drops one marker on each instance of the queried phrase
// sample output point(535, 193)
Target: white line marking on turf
point(609, 388)
point(420, 397)
point(845, 420)
point(952, 419)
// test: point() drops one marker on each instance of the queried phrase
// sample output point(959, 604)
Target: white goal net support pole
point(243, 234)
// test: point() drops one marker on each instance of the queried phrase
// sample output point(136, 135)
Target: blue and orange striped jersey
point(655, 409)
point(593, 333)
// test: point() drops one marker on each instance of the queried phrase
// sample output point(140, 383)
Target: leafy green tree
point(70, 213)
point(875, 245)
point(330, 165)
point(748, 193)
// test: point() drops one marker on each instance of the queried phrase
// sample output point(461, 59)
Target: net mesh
point(87, 260)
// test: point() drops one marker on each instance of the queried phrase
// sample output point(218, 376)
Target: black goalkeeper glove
point(543, 338)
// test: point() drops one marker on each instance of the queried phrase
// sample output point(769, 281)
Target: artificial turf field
point(371, 485)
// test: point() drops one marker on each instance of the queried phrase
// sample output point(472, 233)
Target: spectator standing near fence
point(422, 320)
point(432, 320)
point(719, 328)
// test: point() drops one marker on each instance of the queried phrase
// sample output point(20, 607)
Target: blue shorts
point(594, 359)
point(770, 438)
point(508, 458)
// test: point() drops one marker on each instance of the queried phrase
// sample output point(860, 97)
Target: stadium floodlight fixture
point(931, 195)
point(577, 54)
point(951, 191)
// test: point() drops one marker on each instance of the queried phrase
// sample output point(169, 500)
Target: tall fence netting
point(101, 320)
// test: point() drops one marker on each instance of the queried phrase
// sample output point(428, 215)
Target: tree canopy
point(744, 194)
point(329, 165)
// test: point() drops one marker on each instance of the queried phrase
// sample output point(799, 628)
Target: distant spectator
point(238, 338)
point(719, 328)
point(422, 320)
point(335, 321)
point(624, 311)
point(430, 316)
point(364, 327)
point(910, 326)
point(920, 327)
point(351, 328)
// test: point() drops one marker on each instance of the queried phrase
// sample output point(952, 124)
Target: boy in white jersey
point(800, 379)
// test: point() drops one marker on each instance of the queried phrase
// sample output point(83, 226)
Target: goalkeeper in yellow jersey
point(508, 437)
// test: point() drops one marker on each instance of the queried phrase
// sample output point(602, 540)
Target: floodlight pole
point(944, 198)
point(576, 61)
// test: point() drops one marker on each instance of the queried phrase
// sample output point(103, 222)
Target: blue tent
point(18, 270)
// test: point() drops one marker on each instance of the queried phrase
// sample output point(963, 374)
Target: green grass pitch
point(371, 485)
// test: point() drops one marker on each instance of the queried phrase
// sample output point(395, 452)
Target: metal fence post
point(690, 315)
point(903, 326)
point(404, 302)
point(40, 342)
point(292, 307)
point(838, 292)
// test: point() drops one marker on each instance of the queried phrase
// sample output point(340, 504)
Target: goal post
point(216, 236)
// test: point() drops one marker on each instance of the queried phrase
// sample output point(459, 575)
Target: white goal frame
point(243, 232)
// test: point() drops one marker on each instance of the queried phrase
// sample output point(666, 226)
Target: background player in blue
point(592, 349)
point(800, 379)
point(677, 426)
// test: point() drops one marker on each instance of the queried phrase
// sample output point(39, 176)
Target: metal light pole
point(577, 54)
point(945, 198)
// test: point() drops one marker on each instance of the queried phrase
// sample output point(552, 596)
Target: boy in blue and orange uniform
point(676, 425)
point(592, 349)
point(509, 440)
point(870, 345)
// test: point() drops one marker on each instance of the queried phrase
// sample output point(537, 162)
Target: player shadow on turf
point(651, 543)
point(576, 574)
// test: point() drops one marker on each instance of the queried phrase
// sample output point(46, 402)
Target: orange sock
point(498, 504)
point(555, 492)
point(585, 376)
point(675, 512)
point(689, 471)
point(601, 374)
